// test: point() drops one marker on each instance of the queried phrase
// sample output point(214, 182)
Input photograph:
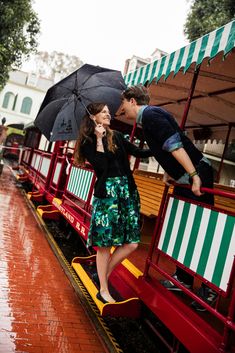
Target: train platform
point(40, 311)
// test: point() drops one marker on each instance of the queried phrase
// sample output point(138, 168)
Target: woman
point(115, 216)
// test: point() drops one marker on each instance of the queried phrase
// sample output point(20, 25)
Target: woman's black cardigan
point(100, 160)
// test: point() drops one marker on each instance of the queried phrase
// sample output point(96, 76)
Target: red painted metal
point(190, 329)
point(133, 132)
point(156, 233)
point(56, 151)
point(189, 99)
point(73, 218)
point(229, 325)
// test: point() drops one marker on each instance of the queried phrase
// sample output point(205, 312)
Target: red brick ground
point(39, 310)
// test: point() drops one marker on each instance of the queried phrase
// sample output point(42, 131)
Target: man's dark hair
point(139, 93)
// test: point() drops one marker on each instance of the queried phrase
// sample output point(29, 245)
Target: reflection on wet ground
point(39, 310)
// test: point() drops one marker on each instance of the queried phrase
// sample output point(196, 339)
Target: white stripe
point(165, 224)
point(209, 44)
point(187, 232)
point(165, 65)
point(158, 67)
point(196, 50)
point(185, 56)
point(177, 53)
point(143, 75)
point(228, 262)
point(200, 239)
point(140, 77)
point(131, 77)
point(175, 228)
point(150, 71)
point(215, 246)
point(224, 37)
point(136, 77)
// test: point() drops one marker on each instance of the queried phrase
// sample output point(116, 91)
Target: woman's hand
point(100, 131)
point(196, 186)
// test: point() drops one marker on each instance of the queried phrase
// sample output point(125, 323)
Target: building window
point(8, 100)
point(26, 105)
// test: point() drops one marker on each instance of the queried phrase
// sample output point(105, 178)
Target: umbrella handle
point(100, 132)
point(91, 115)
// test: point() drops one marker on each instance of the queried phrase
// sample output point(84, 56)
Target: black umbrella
point(65, 103)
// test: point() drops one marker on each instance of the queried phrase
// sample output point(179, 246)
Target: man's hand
point(196, 186)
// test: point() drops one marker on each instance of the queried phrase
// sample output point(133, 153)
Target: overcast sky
point(107, 32)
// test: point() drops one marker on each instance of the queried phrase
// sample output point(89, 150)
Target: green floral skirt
point(115, 219)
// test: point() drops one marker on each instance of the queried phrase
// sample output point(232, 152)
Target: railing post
point(155, 237)
point(190, 96)
point(56, 151)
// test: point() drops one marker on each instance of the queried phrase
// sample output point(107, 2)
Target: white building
point(22, 96)
point(135, 61)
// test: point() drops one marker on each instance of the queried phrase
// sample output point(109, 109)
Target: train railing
point(201, 240)
point(79, 184)
point(25, 157)
point(75, 204)
point(79, 188)
point(57, 181)
point(37, 165)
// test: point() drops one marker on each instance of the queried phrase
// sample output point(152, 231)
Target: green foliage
point(207, 15)
point(56, 65)
point(19, 26)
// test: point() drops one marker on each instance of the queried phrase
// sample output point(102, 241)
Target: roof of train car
point(169, 80)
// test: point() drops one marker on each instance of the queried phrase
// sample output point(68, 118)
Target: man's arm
point(183, 158)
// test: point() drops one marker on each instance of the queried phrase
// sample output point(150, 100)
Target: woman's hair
point(86, 131)
point(139, 93)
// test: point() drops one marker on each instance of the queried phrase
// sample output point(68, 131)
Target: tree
point(207, 15)
point(56, 65)
point(19, 26)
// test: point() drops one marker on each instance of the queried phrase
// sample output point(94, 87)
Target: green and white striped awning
point(208, 46)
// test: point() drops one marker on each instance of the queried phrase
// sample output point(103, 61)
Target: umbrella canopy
point(65, 103)
point(169, 80)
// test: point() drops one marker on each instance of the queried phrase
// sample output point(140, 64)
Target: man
point(3, 136)
point(180, 159)
point(3, 131)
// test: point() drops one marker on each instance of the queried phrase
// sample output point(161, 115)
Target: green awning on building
point(208, 46)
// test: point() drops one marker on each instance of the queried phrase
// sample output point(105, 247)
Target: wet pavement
point(39, 310)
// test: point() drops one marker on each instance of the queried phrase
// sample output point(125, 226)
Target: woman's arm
point(134, 150)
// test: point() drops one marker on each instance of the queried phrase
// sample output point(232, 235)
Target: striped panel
point(33, 160)
point(37, 161)
point(208, 46)
point(201, 239)
point(57, 172)
point(45, 166)
point(79, 182)
point(26, 156)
